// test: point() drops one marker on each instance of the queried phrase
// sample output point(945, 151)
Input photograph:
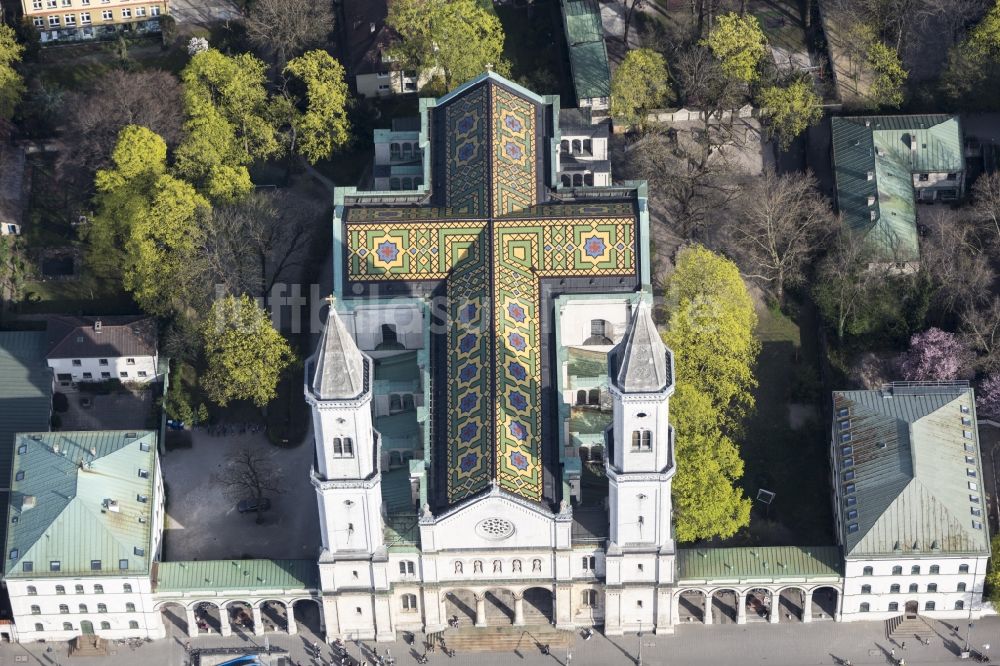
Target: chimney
point(93, 451)
point(111, 505)
point(874, 216)
point(871, 175)
point(371, 28)
point(55, 449)
point(871, 199)
point(97, 326)
point(28, 502)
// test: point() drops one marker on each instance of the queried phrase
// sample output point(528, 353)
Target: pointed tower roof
point(642, 357)
point(340, 365)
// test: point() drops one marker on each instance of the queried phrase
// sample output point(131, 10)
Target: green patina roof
point(588, 56)
point(73, 476)
point(399, 429)
point(397, 368)
point(586, 363)
point(911, 480)
point(882, 145)
point(222, 575)
point(758, 562)
point(402, 532)
point(25, 401)
point(396, 491)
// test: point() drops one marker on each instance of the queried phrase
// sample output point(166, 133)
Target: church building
point(490, 395)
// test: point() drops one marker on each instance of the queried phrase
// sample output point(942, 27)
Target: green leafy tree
point(148, 224)
point(972, 76)
point(711, 324)
point(790, 109)
point(887, 86)
point(458, 38)
point(228, 123)
point(162, 244)
point(739, 44)
point(245, 354)
point(993, 574)
point(323, 127)
point(639, 84)
point(708, 501)
point(11, 83)
point(139, 159)
point(711, 330)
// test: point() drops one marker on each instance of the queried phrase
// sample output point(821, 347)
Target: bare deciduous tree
point(251, 245)
point(150, 98)
point(250, 474)
point(980, 328)
point(986, 206)
point(783, 219)
point(288, 27)
point(846, 276)
point(952, 257)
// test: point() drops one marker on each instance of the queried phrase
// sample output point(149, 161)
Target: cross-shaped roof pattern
point(486, 230)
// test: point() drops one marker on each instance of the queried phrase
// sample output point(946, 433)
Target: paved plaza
point(863, 643)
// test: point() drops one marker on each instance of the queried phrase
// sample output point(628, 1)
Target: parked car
point(248, 505)
point(174, 424)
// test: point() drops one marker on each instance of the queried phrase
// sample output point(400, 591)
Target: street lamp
point(639, 660)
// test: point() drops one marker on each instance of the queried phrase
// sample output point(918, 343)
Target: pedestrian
point(903, 645)
point(892, 652)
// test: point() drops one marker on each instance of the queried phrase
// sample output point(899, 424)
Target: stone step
point(906, 628)
point(526, 640)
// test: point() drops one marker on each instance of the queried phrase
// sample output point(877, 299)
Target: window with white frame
point(406, 567)
point(140, 11)
point(107, 14)
point(589, 598)
point(409, 603)
point(589, 562)
point(70, 19)
point(38, 22)
point(54, 23)
point(127, 13)
point(154, 11)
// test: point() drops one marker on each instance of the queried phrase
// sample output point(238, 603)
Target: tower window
point(647, 441)
point(409, 602)
point(343, 447)
point(390, 339)
point(581, 397)
point(589, 598)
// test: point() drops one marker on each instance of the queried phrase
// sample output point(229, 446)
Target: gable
point(492, 522)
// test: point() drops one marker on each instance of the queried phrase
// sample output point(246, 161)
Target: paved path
point(864, 643)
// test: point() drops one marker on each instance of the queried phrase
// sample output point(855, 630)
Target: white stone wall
point(574, 319)
point(882, 579)
point(116, 368)
point(365, 324)
point(114, 597)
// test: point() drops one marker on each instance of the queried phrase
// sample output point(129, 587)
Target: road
point(864, 643)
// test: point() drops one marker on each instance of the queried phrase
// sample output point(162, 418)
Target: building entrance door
point(87, 628)
point(911, 609)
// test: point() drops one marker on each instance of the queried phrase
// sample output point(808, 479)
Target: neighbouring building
point(84, 528)
point(583, 150)
point(25, 406)
point(909, 501)
point(884, 166)
point(74, 20)
point(588, 55)
point(399, 158)
point(374, 72)
point(94, 349)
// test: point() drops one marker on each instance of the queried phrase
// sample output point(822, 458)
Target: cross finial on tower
point(331, 300)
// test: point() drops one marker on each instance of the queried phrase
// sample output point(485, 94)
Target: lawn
point(76, 66)
point(789, 461)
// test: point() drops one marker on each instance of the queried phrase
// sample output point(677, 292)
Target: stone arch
point(577, 180)
point(499, 606)
point(825, 601)
point(239, 614)
point(724, 608)
point(539, 605)
point(273, 614)
point(175, 613)
point(691, 605)
point(460, 603)
point(791, 602)
point(758, 604)
point(308, 612)
point(208, 616)
point(566, 180)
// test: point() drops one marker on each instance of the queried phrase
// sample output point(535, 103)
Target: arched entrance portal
point(208, 617)
point(758, 605)
point(791, 601)
point(273, 615)
point(308, 617)
point(460, 604)
point(691, 606)
point(240, 616)
point(724, 606)
point(499, 607)
point(911, 609)
point(175, 615)
point(87, 628)
point(824, 603)
point(538, 606)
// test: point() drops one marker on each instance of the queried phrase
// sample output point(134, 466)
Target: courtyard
point(202, 522)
